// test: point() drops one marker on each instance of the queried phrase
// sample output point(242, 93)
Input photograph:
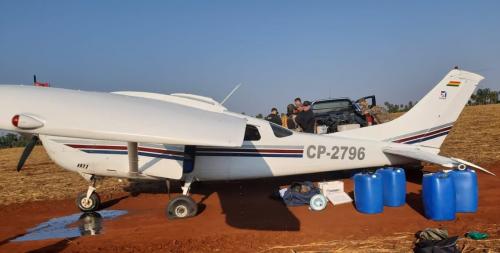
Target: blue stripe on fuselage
point(124, 152)
point(120, 152)
point(249, 154)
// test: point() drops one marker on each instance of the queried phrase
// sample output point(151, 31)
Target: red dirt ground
point(240, 217)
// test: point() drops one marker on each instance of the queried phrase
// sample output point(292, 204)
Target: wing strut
point(155, 171)
point(133, 158)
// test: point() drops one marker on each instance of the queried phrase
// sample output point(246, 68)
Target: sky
point(278, 50)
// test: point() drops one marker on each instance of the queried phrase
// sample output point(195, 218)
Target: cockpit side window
point(252, 133)
point(279, 131)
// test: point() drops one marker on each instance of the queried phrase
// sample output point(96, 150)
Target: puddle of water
point(75, 225)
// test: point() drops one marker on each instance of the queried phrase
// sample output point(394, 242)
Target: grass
point(398, 242)
point(41, 179)
point(476, 135)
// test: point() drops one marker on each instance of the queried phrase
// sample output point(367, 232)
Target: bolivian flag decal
point(454, 83)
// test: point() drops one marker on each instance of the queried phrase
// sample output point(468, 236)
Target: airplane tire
point(181, 207)
point(90, 205)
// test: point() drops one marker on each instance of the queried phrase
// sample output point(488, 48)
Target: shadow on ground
point(247, 204)
point(55, 247)
point(112, 202)
point(414, 200)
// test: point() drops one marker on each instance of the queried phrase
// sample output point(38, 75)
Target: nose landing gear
point(89, 201)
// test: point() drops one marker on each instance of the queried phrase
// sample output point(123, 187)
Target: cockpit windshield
point(280, 131)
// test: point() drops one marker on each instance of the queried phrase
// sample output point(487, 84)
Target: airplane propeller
point(27, 151)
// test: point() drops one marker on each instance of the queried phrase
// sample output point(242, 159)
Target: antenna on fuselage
point(230, 93)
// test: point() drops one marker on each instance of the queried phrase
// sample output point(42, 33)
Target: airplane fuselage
point(266, 153)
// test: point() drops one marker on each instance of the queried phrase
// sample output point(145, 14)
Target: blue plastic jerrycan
point(368, 196)
point(439, 198)
point(394, 186)
point(466, 190)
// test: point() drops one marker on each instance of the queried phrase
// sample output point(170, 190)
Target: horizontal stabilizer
point(414, 152)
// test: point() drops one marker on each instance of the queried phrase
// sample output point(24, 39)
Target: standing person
point(274, 117)
point(305, 118)
point(298, 103)
point(291, 113)
point(284, 120)
point(365, 110)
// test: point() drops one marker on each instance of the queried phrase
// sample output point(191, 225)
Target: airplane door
point(167, 161)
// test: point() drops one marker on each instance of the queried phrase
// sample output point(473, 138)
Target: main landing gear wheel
point(90, 204)
point(181, 207)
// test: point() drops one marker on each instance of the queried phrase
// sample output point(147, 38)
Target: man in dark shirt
point(291, 113)
point(305, 118)
point(274, 117)
point(298, 103)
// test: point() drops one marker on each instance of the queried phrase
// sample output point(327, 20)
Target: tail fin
point(430, 120)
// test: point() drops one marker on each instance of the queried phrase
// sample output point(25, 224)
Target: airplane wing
point(115, 117)
point(414, 152)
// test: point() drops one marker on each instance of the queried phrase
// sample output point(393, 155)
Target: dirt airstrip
point(239, 216)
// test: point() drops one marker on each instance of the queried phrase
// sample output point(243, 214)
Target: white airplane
point(191, 138)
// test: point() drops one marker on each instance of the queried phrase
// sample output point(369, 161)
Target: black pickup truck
point(331, 113)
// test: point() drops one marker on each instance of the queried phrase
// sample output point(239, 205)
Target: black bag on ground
point(300, 193)
point(448, 245)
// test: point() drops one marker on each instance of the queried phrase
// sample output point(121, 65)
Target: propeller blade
point(27, 152)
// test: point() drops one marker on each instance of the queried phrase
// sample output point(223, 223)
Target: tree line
point(481, 97)
point(391, 108)
point(484, 96)
point(11, 140)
